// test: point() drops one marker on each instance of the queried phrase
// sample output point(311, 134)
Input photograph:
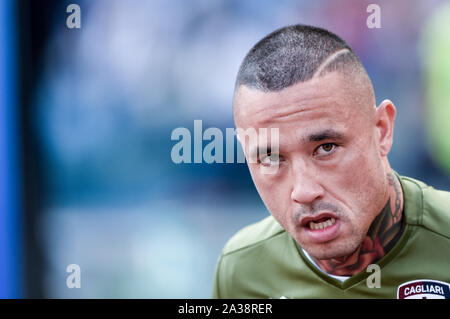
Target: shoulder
point(247, 257)
point(434, 205)
point(253, 235)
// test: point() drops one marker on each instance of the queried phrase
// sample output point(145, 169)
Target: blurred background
point(86, 116)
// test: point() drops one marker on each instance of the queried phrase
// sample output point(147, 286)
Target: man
point(343, 224)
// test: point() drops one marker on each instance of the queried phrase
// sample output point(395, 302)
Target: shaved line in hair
point(328, 60)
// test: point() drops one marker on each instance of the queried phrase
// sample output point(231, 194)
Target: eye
point(325, 149)
point(270, 159)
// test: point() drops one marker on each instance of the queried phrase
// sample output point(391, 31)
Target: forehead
point(328, 100)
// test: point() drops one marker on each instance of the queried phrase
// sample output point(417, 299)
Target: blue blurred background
point(86, 117)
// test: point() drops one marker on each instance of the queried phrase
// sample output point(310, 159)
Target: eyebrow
point(328, 134)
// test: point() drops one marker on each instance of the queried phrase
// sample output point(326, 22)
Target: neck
point(383, 233)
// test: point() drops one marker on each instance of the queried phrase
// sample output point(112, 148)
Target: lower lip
point(323, 235)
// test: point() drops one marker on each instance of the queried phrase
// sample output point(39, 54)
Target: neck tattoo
point(383, 233)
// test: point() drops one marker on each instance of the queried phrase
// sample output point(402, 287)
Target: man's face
point(331, 177)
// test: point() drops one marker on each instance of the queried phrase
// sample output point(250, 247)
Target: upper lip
point(306, 219)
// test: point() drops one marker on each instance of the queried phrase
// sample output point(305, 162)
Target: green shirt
point(264, 261)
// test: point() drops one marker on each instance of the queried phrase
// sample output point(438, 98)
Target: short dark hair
point(295, 54)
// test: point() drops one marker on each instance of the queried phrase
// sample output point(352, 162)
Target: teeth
point(322, 225)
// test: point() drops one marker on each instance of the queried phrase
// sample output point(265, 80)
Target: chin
point(331, 250)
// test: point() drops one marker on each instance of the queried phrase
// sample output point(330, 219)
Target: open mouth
point(322, 223)
point(321, 228)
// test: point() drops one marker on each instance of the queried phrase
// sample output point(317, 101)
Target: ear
point(385, 116)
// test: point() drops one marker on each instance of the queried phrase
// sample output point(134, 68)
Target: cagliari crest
point(424, 289)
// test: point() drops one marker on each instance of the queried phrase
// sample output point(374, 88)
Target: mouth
point(326, 222)
point(321, 228)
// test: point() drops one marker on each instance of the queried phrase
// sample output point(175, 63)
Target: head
point(331, 163)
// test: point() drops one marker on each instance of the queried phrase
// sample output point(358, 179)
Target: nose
point(306, 187)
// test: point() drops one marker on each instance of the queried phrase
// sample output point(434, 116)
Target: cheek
point(361, 183)
point(274, 191)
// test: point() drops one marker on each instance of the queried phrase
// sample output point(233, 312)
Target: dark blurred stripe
point(34, 18)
